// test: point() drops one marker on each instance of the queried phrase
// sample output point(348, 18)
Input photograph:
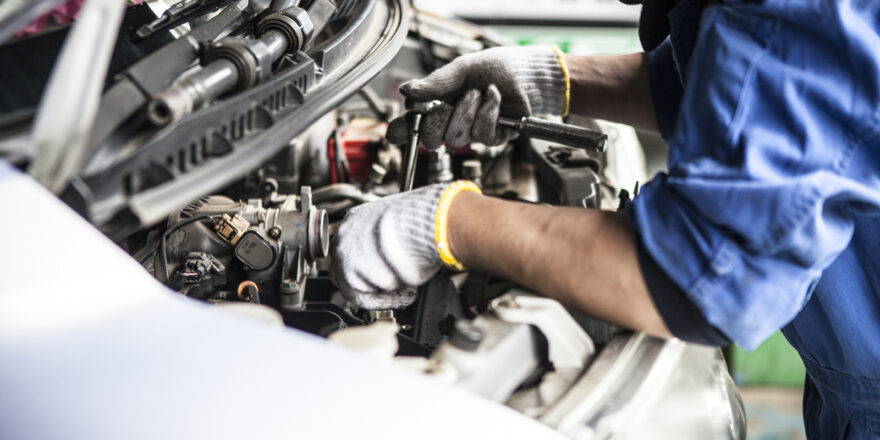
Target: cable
point(494, 163)
point(375, 103)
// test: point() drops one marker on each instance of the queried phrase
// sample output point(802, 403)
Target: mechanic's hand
point(385, 249)
point(477, 88)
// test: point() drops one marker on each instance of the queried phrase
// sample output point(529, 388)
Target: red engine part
point(360, 141)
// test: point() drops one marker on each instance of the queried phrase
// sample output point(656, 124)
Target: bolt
point(472, 169)
point(275, 232)
point(377, 174)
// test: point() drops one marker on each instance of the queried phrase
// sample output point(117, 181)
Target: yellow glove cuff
point(567, 75)
point(441, 237)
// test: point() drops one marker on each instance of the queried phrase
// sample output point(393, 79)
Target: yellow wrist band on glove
point(567, 74)
point(440, 222)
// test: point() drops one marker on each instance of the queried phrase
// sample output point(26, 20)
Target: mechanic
point(767, 218)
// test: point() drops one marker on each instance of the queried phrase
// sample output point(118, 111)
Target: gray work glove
point(385, 249)
point(477, 88)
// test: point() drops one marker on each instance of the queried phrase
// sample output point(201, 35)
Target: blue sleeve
point(666, 87)
point(684, 320)
point(774, 148)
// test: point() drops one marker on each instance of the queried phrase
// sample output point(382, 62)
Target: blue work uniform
point(768, 216)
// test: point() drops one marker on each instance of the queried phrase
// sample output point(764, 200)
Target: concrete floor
point(774, 413)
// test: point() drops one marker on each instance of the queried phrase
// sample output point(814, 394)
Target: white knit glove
point(385, 249)
point(477, 88)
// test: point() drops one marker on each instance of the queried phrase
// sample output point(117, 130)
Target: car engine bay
point(228, 148)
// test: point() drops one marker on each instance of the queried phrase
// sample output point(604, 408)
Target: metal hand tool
point(565, 134)
point(416, 110)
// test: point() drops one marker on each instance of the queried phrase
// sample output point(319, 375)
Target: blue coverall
point(768, 216)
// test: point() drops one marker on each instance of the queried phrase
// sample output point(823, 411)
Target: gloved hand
point(384, 249)
point(477, 88)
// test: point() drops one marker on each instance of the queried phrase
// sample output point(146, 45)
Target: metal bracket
point(570, 347)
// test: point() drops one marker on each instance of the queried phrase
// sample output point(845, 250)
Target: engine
point(260, 250)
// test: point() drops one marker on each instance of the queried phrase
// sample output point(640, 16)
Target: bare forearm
point(583, 258)
point(612, 87)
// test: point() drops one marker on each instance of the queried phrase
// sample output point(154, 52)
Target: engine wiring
point(172, 229)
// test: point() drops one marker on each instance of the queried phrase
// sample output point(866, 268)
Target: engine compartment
point(235, 202)
point(263, 240)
